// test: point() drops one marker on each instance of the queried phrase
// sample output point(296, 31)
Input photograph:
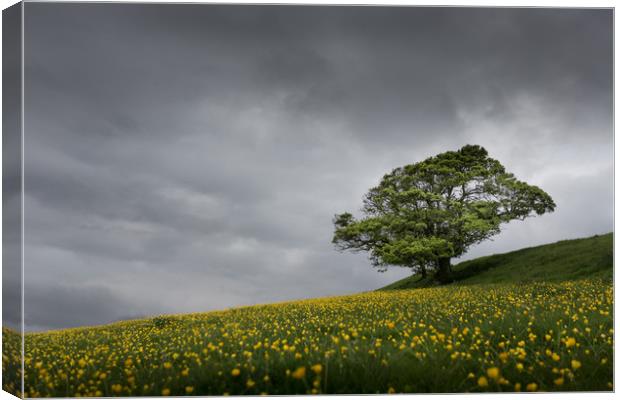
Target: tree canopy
point(423, 214)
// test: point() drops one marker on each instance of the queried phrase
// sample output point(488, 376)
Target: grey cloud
point(57, 305)
point(182, 158)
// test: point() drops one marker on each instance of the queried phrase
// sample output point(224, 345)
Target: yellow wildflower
point(317, 368)
point(299, 373)
point(493, 372)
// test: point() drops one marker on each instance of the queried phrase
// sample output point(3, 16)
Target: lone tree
point(421, 215)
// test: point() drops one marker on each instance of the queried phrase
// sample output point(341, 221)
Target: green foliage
point(162, 321)
point(11, 361)
point(423, 214)
point(555, 262)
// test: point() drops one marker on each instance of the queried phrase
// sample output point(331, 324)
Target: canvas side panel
point(12, 172)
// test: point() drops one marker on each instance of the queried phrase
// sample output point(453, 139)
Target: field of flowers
point(504, 337)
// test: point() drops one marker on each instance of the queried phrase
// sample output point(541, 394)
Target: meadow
point(528, 336)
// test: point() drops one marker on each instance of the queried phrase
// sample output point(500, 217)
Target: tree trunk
point(423, 272)
point(444, 270)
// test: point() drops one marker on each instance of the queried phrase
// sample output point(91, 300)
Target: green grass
point(565, 260)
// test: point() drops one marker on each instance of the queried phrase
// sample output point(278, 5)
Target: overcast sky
point(184, 158)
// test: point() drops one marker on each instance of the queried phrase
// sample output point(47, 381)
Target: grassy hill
point(565, 260)
point(547, 326)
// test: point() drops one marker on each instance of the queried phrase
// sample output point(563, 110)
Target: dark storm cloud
point(190, 157)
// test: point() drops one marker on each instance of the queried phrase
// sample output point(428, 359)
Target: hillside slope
point(565, 260)
point(444, 339)
point(435, 340)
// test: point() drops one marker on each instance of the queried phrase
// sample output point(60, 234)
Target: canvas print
point(218, 199)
